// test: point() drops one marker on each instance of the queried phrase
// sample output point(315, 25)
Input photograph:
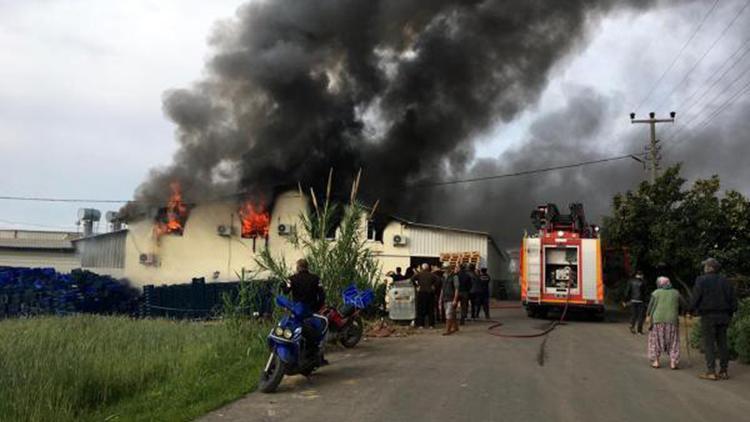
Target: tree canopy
point(669, 230)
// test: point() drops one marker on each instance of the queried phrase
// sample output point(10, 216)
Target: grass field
point(87, 368)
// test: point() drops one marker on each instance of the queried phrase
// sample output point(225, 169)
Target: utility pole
point(654, 148)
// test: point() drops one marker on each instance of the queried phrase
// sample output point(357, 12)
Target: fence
point(43, 291)
point(200, 300)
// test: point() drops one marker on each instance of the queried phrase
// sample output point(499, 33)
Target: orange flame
point(255, 219)
point(176, 213)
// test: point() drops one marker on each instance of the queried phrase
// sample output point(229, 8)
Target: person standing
point(449, 299)
point(664, 333)
point(715, 301)
point(475, 292)
point(438, 272)
point(464, 292)
point(635, 293)
point(425, 281)
point(398, 276)
point(484, 293)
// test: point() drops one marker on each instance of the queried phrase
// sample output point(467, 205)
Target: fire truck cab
point(561, 264)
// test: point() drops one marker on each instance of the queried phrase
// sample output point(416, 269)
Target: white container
point(402, 301)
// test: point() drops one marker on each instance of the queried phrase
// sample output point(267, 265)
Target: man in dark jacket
point(714, 299)
point(306, 288)
point(425, 281)
point(464, 291)
point(635, 295)
point(476, 293)
point(484, 293)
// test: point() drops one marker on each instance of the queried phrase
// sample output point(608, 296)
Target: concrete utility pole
point(654, 148)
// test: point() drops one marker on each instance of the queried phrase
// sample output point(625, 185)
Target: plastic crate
point(360, 299)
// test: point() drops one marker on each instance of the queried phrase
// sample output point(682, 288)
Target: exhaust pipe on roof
point(87, 217)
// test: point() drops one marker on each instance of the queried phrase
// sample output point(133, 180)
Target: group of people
point(443, 292)
point(713, 299)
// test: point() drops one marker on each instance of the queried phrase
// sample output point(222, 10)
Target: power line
point(449, 182)
point(67, 200)
point(700, 126)
point(717, 96)
point(716, 82)
point(705, 53)
point(528, 172)
point(695, 32)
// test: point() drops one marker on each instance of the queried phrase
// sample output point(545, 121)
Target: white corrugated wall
point(62, 262)
point(424, 241)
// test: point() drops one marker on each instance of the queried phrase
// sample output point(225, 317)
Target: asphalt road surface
point(591, 372)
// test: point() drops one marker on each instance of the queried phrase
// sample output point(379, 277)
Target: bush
point(340, 262)
point(86, 368)
point(739, 332)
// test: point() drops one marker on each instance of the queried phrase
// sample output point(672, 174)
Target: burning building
point(219, 239)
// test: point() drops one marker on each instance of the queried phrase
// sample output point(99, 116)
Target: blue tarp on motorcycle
point(360, 299)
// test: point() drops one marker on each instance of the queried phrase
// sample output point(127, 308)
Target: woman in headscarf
point(662, 314)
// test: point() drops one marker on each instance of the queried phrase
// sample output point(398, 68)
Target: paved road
point(591, 372)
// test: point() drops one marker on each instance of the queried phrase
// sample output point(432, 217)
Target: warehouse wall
point(62, 262)
point(389, 255)
point(425, 241)
point(200, 251)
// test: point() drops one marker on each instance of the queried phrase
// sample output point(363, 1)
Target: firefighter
point(635, 294)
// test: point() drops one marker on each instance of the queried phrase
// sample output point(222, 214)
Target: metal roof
point(37, 240)
point(101, 235)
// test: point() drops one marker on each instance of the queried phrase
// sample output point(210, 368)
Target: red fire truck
point(561, 264)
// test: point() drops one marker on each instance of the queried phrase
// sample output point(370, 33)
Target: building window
point(374, 232)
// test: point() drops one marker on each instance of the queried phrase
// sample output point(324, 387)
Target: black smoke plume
point(398, 88)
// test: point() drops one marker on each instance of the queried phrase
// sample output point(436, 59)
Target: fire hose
point(491, 330)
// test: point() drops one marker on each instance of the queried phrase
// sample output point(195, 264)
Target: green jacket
point(664, 306)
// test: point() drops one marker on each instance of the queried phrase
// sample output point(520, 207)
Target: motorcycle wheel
point(353, 333)
point(271, 378)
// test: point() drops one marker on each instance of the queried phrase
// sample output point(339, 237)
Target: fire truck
point(561, 264)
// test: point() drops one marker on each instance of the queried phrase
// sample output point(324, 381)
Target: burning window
point(255, 220)
point(172, 218)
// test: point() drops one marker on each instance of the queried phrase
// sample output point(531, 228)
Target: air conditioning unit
point(399, 240)
point(148, 259)
point(286, 229)
point(223, 230)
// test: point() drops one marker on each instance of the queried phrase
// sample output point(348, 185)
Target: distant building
point(217, 241)
point(31, 248)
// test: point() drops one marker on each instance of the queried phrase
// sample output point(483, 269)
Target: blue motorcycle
point(290, 353)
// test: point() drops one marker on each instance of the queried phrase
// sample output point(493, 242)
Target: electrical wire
point(714, 98)
point(695, 32)
point(528, 172)
point(705, 53)
point(746, 46)
point(449, 182)
point(700, 126)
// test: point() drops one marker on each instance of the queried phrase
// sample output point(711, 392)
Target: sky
point(82, 83)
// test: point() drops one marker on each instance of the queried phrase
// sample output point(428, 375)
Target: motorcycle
point(346, 326)
point(290, 353)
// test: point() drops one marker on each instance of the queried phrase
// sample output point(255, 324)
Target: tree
point(669, 230)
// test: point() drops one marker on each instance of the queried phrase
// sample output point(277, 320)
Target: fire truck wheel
point(597, 316)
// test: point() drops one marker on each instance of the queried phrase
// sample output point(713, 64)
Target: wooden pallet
point(458, 258)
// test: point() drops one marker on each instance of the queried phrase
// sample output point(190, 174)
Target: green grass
point(111, 368)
